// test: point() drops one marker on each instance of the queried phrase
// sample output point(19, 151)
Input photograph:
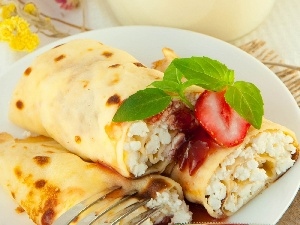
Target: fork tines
point(108, 207)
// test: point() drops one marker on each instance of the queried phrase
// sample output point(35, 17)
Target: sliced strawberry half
point(222, 122)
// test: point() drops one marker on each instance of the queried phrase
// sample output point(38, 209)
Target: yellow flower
point(8, 10)
point(16, 31)
point(25, 42)
point(30, 8)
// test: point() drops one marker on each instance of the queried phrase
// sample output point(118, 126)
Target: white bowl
point(223, 19)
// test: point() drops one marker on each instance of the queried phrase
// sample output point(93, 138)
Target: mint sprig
point(244, 97)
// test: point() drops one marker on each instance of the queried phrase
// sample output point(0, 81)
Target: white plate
point(145, 43)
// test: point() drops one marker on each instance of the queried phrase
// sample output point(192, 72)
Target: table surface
point(280, 31)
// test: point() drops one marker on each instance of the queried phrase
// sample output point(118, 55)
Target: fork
point(118, 206)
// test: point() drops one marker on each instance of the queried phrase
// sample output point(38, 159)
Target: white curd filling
point(172, 207)
point(248, 170)
point(146, 146)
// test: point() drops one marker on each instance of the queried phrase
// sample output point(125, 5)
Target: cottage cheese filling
point(247, 171)
point(146, 145)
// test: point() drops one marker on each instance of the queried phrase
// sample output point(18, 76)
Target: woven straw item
point(291, 78)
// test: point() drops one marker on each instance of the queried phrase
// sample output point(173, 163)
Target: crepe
point(46, 180)
point(71, 93)
point(228, 178)
point(225, 179)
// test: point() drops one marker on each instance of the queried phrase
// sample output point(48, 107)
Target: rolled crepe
point(228, 178)
point(46, 180)
point(225, 179)
point(71, 94)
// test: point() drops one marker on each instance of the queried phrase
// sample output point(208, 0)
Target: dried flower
point(8, 10)
point(16, 31)
point(16, 24)
point(31, 9)
point(68, 4)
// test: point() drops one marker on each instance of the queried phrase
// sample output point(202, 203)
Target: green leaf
point(190, 83)
point(245, 98)
point(168, 86)
point(172, 80)
point(143, 104)
point(173, 74)
point(211, 74)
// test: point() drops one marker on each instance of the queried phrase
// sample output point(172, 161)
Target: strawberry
point(222, 122)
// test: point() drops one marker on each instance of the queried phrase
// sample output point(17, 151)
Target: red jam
point(198, 144)
point(185, 120)
point(182, 118)
point(193, 153)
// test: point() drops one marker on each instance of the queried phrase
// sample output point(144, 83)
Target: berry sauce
point(194, 151)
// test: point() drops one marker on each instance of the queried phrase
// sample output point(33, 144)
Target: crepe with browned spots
point(71, 93)
point(46, 180)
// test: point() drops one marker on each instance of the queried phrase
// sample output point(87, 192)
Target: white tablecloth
point(281, 29)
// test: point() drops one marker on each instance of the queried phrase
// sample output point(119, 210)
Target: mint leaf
point(173, 74)
point(245, 98)
point(143, 104)
point(168, 86)
point(211, 74)
point(171, 81)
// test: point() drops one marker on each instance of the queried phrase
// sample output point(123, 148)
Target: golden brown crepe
point(71, 94)
point(230, 177)
point(46, 180)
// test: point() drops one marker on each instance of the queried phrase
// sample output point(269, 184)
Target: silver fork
point(119, 207)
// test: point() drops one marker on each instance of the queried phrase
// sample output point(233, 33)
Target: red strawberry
point(223, 123)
